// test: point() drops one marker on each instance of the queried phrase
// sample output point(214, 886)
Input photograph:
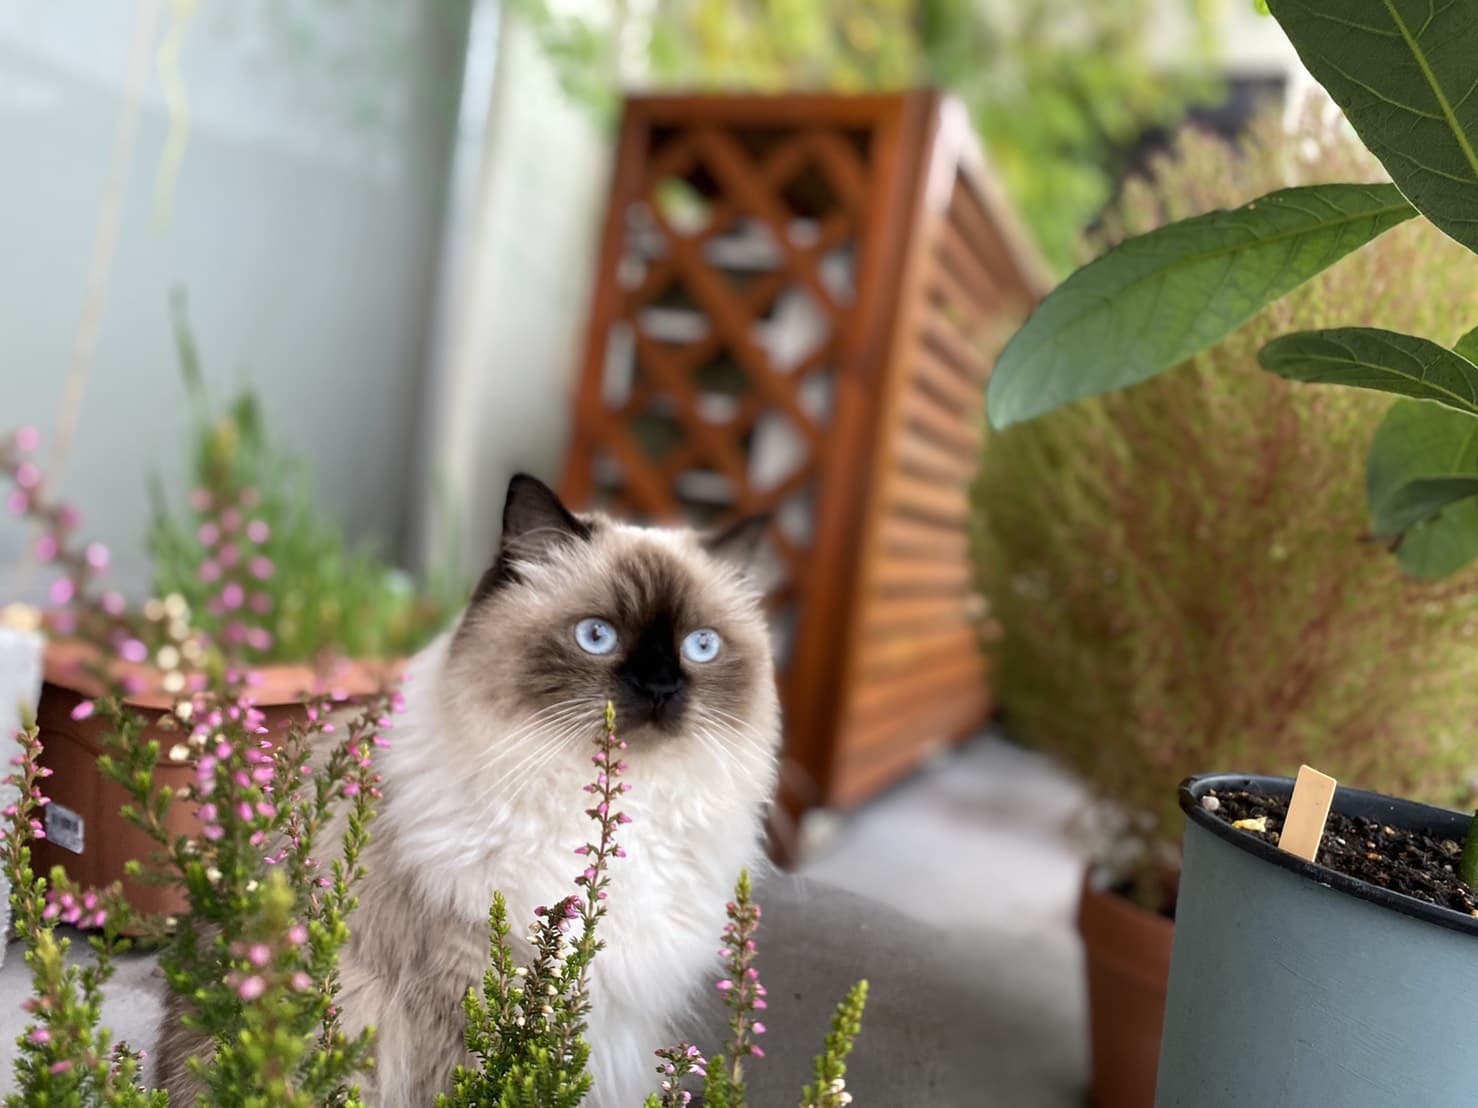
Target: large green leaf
point(1421, 453)
point(1155, 300)
point(1467, 346)
point(1369, 358)
point(1404, 71)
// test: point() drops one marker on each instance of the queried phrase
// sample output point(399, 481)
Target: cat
point(483, 791)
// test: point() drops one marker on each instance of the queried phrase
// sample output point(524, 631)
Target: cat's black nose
point(654, 688)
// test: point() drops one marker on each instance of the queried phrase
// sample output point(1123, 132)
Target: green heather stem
point(1468, 867)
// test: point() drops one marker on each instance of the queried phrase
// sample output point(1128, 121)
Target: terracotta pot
point(86, 835)
point(1128, 959)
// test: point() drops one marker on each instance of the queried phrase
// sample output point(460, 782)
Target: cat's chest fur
point(446, 841)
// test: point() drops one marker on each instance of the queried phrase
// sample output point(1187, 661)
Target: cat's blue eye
point(702, 645)
point(595, 636)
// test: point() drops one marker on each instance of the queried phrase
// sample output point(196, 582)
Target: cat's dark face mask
point(582, 611)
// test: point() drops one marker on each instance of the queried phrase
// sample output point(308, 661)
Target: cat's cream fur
point(483, 791)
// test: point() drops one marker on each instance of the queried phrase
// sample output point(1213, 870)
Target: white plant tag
point(64, 827)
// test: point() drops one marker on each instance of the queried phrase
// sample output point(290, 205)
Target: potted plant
point(256, 563)
point(1102, 535)
point(1403, 73)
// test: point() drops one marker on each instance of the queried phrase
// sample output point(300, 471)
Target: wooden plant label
point(1308, 809)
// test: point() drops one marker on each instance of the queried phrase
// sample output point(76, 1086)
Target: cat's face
point(576, 612)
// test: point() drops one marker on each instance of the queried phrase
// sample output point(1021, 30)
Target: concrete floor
point(977, 839)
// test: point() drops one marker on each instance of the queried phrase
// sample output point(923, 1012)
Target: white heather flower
point(179, 752)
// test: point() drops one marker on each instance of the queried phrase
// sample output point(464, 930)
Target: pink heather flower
point(214, 832)
point(99, 919)
point(229, 555)
point(230, 520)
point(27, 475)
point(208, 534)
point(68, 516)
point(251, 988)
point(62, 590)
point(258, 531)
point(46, 548)
point(208, 813)
point(60, 1067)
point(96, 556)
point(302, 982)
point(259, 638)
point(27, 438)
point(260, 602)
point(223, 748)
point(83, 710)
point(244, 810)
point(210, 571)
point(200, 500)
point(724, 986)
point(759, 1028)
point(233, 596)
point(758, 1052)
point(114, 604)
point(351, 788)
point(132, 650)
point(259, 954)
point(261, 567)
point(297, 934)
point(40, 1036)
point(18, 502)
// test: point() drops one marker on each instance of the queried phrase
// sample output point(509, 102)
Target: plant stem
point(1468, 867)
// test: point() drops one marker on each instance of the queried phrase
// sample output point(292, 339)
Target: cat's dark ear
point(534, 522)
point(739, 544)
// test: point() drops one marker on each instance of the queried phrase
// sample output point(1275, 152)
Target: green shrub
point(1181, 572)
point(292, 569)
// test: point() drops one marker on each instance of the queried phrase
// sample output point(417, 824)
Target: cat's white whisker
point(504, 747)
point(498, 774)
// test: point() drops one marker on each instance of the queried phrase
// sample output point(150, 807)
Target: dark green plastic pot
point(1295, 986)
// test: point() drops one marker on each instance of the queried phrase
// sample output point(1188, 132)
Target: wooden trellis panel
point(792, 307)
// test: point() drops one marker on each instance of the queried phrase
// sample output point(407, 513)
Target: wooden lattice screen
point(792, 307)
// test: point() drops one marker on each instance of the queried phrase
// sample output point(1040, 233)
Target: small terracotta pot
point(1128, 959)
point(86, 835)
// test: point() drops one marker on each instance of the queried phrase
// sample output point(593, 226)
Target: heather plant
point(1401, 70)
point(1178, 570)
point(252, 540)
point(271, 898)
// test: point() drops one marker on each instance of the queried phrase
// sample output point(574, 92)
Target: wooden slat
point(933, 460)
point(882, 699)
point(915, 651)
point(895, 576)
point(949, 344)
point(904, 535)
point(955, 252)
point(897, 747)
point(944, 504)
point(966, 213)
point(925, 414)
point(963, 302)
point(948, 383)
point(887, 613)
